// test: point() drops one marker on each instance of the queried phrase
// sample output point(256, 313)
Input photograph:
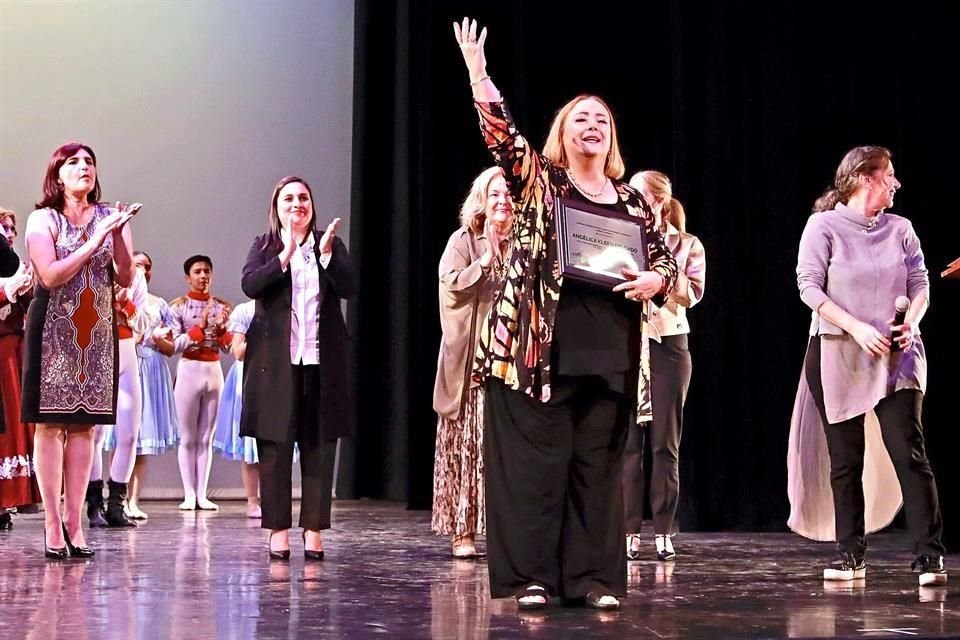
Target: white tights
point(197, 396)
point(127, 429)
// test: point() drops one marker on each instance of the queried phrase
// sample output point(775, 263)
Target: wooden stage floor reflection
point(202, 575)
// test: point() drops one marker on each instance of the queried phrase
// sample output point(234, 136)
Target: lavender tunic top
point(862, 264)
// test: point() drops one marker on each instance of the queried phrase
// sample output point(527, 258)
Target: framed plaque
point(594, 242)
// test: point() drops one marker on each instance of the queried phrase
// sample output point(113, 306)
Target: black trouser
point(899, 417)
point(316, 463)
point(670, 371)
point(554, 506)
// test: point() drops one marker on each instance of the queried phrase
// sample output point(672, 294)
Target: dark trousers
point(552, 471)
point(670, 372)
point(316, 463)
point(899, 417)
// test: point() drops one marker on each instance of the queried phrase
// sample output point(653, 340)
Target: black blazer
point(267, 373)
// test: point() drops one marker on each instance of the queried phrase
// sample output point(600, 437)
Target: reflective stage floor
point(202, 575)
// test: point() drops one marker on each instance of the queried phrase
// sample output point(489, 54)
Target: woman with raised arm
point(79, 249)
point(864, 375)
point(562, 360)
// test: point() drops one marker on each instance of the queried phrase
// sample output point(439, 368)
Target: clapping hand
point(326, 242)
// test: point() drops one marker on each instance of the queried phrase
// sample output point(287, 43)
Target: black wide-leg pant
point(317, 458)
point(553, 488)
point(899, 416)
point(670, 372)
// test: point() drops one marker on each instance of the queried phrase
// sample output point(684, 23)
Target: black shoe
point(76, 552)
point(930, 568)
point(6, 521)
point(533, 596)
point(846, 566)
point(311, 554)
point(114, 515)
point(283, 554)
point(601, 600)
point(95, 504)
point(50, 553)
point(633, 547)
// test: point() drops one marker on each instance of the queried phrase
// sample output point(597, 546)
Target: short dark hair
point(192, 260)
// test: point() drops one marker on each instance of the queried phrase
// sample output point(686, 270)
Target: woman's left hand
point(641, 285)
point(126, 212)
point(905, 334)
point(326, 242)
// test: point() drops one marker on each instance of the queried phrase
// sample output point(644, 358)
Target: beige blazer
point(671, 318)
point(466, 295)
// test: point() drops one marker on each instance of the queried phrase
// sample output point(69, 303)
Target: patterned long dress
point(70, 364)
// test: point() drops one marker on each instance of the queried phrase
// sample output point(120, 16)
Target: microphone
point(902, 303)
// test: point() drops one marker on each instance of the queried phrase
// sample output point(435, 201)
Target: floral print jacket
point(515, 342)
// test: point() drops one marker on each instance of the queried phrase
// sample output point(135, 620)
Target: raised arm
point(523, 168)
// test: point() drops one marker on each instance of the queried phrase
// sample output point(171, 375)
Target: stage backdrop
point(195, 109)
point(749, 107)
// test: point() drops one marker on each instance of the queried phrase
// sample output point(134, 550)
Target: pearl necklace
point(584, 191)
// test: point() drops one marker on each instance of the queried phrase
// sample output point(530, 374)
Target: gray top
point(861, 264)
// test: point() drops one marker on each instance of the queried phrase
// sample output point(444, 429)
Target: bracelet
point(479, 80)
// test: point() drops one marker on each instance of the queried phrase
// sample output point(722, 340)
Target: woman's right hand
point(289, 246)
point(870, 340)
point(471, 46)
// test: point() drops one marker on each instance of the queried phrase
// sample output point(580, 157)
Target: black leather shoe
point(95, 504)
point(283, 554)
point(311, 554)
point(6, 521)
point(114, 515)
point(50, 553)
point(602, 601)
point(74, 551)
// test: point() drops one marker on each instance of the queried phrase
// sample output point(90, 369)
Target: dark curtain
point(749, 108)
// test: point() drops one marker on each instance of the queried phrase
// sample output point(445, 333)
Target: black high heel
point(50, 553)
point(283, 554)
point(76, 552)
point(310, 554)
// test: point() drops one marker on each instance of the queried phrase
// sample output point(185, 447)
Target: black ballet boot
point(115, 499)
point(6, 520)
point(95, 504)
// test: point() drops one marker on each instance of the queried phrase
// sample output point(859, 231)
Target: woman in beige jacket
point(472, 267)
point(670, 371)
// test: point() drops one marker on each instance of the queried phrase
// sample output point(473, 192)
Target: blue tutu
point(159, 429)
point(226, 435)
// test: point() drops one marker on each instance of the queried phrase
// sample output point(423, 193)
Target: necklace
point(584, 191)
point(502, 265)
